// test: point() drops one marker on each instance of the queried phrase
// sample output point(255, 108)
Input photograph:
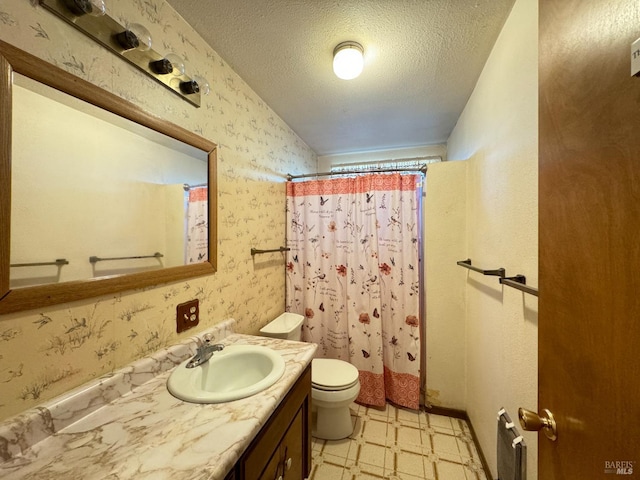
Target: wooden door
point(589, 181)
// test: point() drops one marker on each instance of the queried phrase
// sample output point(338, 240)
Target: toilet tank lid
point(285, 323)
point(328, 372)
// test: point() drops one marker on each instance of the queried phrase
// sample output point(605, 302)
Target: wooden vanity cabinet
point(282, 449)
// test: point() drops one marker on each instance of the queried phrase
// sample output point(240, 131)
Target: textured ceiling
point(422, 60)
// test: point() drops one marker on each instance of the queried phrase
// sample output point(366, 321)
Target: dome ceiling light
point(348, 60)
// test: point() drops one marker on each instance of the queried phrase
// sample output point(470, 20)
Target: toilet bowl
point(335, 384)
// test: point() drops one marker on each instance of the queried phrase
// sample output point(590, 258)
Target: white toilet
point(334, 383)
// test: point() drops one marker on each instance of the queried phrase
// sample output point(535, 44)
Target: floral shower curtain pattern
point(353, 272)
point(197, 244)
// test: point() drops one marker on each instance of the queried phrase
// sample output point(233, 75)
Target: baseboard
point(462, 414)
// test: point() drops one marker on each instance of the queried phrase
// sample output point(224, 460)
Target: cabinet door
point(281, 439)
point(291, 450)
point(273, 470)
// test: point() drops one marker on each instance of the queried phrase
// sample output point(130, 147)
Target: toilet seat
point(332, 375)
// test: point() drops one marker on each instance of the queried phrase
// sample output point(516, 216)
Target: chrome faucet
point(204, 352)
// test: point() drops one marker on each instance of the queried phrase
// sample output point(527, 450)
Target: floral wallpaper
point(46, 352)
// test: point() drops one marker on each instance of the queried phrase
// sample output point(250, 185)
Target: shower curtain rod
point(421, 169)
point(188, 187)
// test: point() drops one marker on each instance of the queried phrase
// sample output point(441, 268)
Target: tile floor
point(398, 444)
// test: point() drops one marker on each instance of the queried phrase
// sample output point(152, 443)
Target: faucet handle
point(207, 338)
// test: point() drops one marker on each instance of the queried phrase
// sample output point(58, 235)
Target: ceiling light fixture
point(348, 60)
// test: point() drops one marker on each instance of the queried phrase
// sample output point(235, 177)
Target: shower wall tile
point(46, 352)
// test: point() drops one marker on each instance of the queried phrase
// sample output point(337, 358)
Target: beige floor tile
point(326, 458)
point(339, 448)
point(451, 471)
point(460, 425)
point(403, 461)
point(373, 428)
point(378, 412)
point(452, 458)
point(369, 453)
point(326, 471)
point(406, 415)
point(446, 444)
point(398, 444)
point(467, 446)
point(362, 471)
point(430, 468)
point(475, 473)
point(440, 421)
point(411, 434)
point(317, 443)
point(404, 476)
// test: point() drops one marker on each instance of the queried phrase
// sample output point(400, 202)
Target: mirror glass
point(97, 193)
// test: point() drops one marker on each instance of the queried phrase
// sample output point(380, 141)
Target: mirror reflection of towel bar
point(98, 259)
point(58, 262)
point(255, 251)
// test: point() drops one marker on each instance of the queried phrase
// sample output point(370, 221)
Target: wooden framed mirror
point(16, 294)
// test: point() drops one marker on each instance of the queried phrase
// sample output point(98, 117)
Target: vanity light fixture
point(348, 60)
point(132, 43)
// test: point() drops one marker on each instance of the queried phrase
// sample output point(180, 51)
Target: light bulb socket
point(161, 67)
point(127, 40)
point(189, 87)
point(135, 36)
point(83, 7)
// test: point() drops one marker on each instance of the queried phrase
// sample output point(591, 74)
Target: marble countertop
point(147, 433)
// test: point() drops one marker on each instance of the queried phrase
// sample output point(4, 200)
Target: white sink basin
point(236, 372)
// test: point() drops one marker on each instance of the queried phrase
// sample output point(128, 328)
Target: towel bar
point(98, 259)
point(255, 251)
point(519, 282)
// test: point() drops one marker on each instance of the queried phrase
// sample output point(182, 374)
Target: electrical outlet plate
point(187, 315)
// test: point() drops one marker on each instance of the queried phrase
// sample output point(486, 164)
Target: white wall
point(445, 244)
point(498, 134)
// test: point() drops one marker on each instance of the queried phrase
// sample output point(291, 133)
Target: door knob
point(532, 422)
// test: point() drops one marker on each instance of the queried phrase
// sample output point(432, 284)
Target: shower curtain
point(353, 272)
point(197, 225)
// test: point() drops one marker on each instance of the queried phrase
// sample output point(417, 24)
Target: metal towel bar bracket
point(519, 282)
point(498, 272)
point(255, 251)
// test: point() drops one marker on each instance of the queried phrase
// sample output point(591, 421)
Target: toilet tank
point(287, 326)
